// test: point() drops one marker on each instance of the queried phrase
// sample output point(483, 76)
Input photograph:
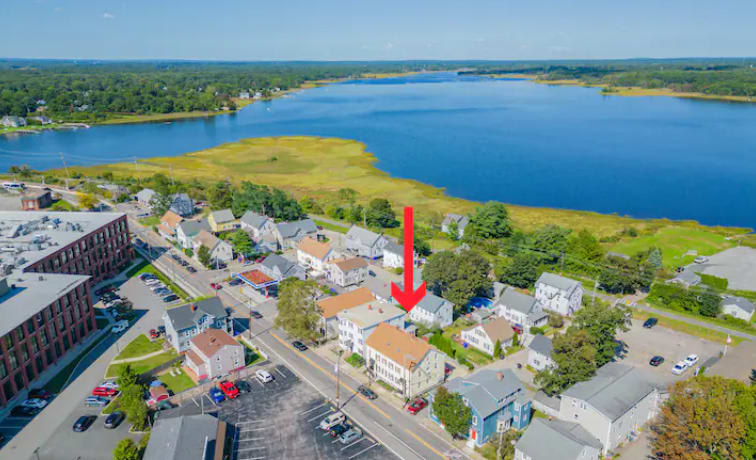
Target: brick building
point(36, 201)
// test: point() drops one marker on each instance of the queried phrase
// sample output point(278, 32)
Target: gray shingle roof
point(394, 248)
point(364, 236)
point(253, 219)
point(379, 287)
point(541, 344)
point(431, 303)
point(191, 228)
point(688, 277)
point(297, 228)
point(613, 390)
point(485, 392)
point(458, 218)
point(560, 282)
point(556, 439)
point(741, 303)
point(181, 438)
point(283, 264)
point(183, 317)
point(223, 215)
point(517, 301)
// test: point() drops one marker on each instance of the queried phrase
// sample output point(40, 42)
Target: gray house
point(556, 439)
point(365, 243)
point(539, 354)
point(200, 437)
point(12, 121)
point(187, 230)
point(184, 322)
point(433, 310)
point(280, 268)
point(459, 220)
point(738, 307)
point(256, 224)
point(289, 234)
point(521, 310)
point(182, 205)
point(686, 278)
point(144, 196)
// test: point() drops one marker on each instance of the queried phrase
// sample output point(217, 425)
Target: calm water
point(513, 141)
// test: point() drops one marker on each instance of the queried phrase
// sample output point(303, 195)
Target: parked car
point(263, 376)
point(701, 259)
point(170, 298)
point(215, 286)
point(103, 290)
point(350, 435)
point(147, 276)
point(109, 384)
point(120, 326)
point(191, 269)
point(331, 421)
point(255, 314)
point(679, 368)
point(338, 430)
point(216, 395)
point(154, 334)
point(22, 411)
point(417, 405)
point(229, 389)
point(96, 401)
point(164, 405)
point(158, 286)
point(38, 393)
point(34, 402)
point(84, 422)
point(235, 282)
point(656, 360)
point(371, 273)
point(114, 419)
point(299, 345)
point(367, 392)
point(103, 391)
point(691, 360)
point(161, 329)
point(650, 322)
point(152, 281)
point(163, 292)
point(243, 386)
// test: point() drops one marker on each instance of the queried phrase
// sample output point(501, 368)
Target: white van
point(13, 186)
point(331, 421)
point(264, 376)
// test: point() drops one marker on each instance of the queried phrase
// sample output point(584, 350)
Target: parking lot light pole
point(338, 380)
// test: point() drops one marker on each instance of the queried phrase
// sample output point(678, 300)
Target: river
point(509, 140)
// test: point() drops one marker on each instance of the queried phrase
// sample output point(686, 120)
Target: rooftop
point(171, 219)
point(297, 228)
point(332, 305)
point(497, 329)
point(182, 438)
point(371, 313)
point(207, 239)
point(314, 248)
point(431, 303)
point(191, 228)
point(558, 281)
point(186, 316)
point(397, 345)
point(364, 236)
point(487, 390)
point(253, 219)
point(742, 303)
point(541, 344)
point(518, 301)
point(212, 340)
point(256, 277)
point(346, 265)
point(223, 215)
point(547, 440)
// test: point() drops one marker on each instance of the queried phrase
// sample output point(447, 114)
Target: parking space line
point(258, 381)
point(321, 415)
point(253, 429)
point(251, 448)
point(281, 373)
point(251, 421)
point(363, 450)
point(251, 439)
point(316, 407)
point(355, 442)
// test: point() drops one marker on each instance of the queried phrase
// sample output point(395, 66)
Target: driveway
point(737, 265)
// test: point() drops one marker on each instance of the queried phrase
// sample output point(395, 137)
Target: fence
point(196, 392)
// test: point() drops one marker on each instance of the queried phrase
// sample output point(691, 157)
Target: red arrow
point(408, 297)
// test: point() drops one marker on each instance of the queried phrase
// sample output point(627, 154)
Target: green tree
point(457, 277)
point(574, 358)
point(242, 243)
point(355, 214)
point(87, 201)
point(551, 240)
point(601, 322)
point(309, 205)
point(491, 221)
point(203, 254)
point(556, 320)
point(335, 212)
point(655, 258)
point(710, 303)
point(126, 450)
point(584, 247)
point(497, 349)
point(452, 230)
point(220, 195)
point(134, 405)
point(127, 376)
point(298, 312)
point(161, 203)
point(452, 412)
point(379, 214)
point(522, 271)
point(347, 195)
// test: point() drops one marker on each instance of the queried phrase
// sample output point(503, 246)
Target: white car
point(35, 403)
point(153, 281)
point(264, 376)
point(691, 360)
point(701, 259)
point(331, 421)
point(120, 326)
point(157, 286)
point(679, 368)
point(109, 384)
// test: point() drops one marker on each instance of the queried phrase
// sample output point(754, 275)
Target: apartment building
point(357, 323)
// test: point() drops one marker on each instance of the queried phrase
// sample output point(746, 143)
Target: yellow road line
point(432, 449)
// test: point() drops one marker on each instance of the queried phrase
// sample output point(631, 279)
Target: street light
point(338, 380)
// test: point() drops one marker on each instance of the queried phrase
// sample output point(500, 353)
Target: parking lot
point(280, 419)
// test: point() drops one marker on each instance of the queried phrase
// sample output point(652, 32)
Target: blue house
point(498, 401)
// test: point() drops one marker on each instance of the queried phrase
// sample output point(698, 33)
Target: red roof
point(256, 277)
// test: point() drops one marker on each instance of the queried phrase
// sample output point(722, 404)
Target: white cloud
point(107, 15)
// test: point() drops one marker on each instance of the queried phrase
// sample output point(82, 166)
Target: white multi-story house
point(184, 322)
point(256, 225)
point(219, 250)
point(187, 230)
point(522, 310)
point(168, 224)
point(314, 255)
point(433, 310)
point(331, 306)
point(214, 353)
point(556, 439)
point(365, 243)
point(539, 352)
point(451, 219)
point(484, 336)
point(347, 272)
point(289, 234)
point(617, 401)
point(403, 361)
point(559, 294)
point(738, 307)
point(280, 268)
point(357, 323)
point(393, 255)
point(144, 197)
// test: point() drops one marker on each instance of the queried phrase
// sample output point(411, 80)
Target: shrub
point(398, 270)
point(714, 281)
point(555, 320)
point(355, 360)
point(189, 252)
point(535, 331)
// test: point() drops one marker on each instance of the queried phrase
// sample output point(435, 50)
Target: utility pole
point(170, 168)
point(136, 170)
point(338, 380)
point(63, 159)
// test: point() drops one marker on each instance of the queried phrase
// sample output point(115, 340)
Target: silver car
point(350, 435)
point(96, 401)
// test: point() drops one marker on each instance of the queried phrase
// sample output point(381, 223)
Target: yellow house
point(221, 221)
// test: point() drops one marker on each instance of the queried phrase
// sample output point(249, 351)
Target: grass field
point(330, 226)
point(176, 383)
point(675, 242)
point(156, 117)
point(140, 346)
point(692, 329)
point(143, 365)
point(150, 221)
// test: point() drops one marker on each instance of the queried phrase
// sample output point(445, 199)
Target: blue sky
point(376, 30)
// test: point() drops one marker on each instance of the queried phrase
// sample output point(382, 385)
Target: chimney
point(380, 310)
point(194, 307)
point(370, 307)
point(500, 376)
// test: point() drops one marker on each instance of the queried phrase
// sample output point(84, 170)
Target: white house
point(393, 255)
point(365, 243)
point(539, 352)
point(484, 336)
point(12, 121)
point(347, 272)
point(556, 439)
point(559, 294)
point(357, 323)
point(219, 250)
point(737, 307)
point(314, 255)
point(618, 400)
point(331, 306)
point(289, 234)
point(214, 353)
point(455, 219)
point(256, 225)
point(403, 361)
point(168, 224)
point(184, 322)
point(144, 196)
point(520, 309)
point(187, 230)
point(433, 310)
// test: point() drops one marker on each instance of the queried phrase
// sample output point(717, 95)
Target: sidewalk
point(137, 358)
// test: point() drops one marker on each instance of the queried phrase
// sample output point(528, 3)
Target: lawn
point(140, 346)
point(146, 267)
point(330, 226)
point(471, 354)
point(692, 329)
point(177, 383)
point(55, 385)
point(143, 365)
point(150, 221)
point(717, 321)
point(319, 167)
point(251, 356)
point(674, 242)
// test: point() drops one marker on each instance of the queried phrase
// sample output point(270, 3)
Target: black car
point(191, 269)
point(299, 345)
point(39, 393)
point(114, 419)
point(656, 360)
point(337, 430)
point(235, 282)
point(220, 266)
point(161, 329)
point(255, 314)
point(367, 392)
point(243, 386)
point(24, 411)
point(170, 298)
point(176, 257)
point(651, 322)
point(84, 422)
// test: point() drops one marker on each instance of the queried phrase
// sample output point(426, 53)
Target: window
point(474, 419)
point(13, 360)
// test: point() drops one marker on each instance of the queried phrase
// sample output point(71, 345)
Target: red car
point(154, 334)
point(229, 389)
point(104, 391)
point(417, 405)
point(215, 286)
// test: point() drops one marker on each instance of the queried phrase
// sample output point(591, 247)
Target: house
point(222, 221)
point(188, 230)
point(617, 401)
point(331, 306)
point(686, 278)
point(381, 289)
point(520, 309)
point(393, 255)
point(157, 393)
point(347, 272)
point(185, 437)
point(289, 234)
point(214, 353)
point(168, 223)
point(559, 294)
point(42, 120)
point(432, 310)
point(481, 315)
point(36, 201)
point(497, 399)
point(280, 268)
point(145, 196)
point(184, 322)
point(219, 250)
point(365, 243)
point(484, 336)
point(256, 225)
point(556, 439)
point(455, 219)
point(11, 121)
point(314, 255)
point(737, 307)
point(182, 205)
point(244, 95)
point(114, 190)
point(357, 323)
point(539, 352)
point(403, 361)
